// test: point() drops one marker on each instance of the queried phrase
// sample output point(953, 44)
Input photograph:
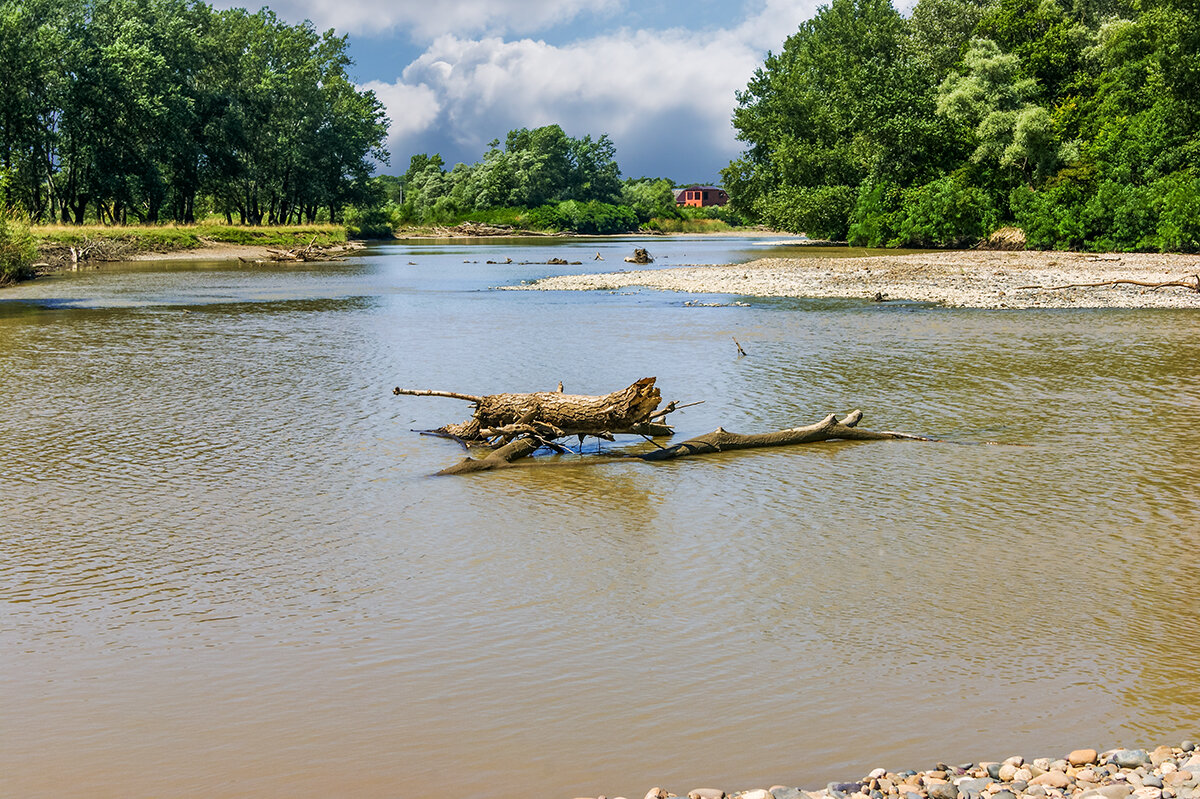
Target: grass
point(663, 225)
point(169, 238)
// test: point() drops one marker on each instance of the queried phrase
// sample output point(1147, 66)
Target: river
point(225, 569)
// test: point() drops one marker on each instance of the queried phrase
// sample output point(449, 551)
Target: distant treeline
point(541, 179)
point(153, 110)
point(1075, 120)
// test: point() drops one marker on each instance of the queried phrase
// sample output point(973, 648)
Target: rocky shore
point(1168, 772)
point(971, 279)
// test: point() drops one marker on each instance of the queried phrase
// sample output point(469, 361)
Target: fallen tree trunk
point(720, 440)
point(630, 410)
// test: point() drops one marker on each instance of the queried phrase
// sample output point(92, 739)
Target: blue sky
point(657, 76)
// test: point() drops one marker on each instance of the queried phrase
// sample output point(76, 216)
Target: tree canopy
point(1078, 122)
point(541, 177)
point(140, 108)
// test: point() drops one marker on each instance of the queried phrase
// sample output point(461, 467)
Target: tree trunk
point(626, 411)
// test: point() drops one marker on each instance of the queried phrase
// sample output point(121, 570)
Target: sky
point(658, 76)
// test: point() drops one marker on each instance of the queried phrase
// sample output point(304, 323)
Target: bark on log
point(720, 440)
point(573, 413)
point(630, 410)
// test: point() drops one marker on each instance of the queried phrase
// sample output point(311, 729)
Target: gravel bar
point(1168, 772)
point(968, 279)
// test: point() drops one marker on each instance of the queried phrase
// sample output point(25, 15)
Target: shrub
point(875, 220)
point(371, 223)
point(822, 212)
point(946, 213)
point(1179, 222)
point(1053, 218)
point(585, 217)
point(700, 225)
point(17, 249)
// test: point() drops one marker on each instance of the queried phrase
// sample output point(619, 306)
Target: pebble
point(1164, 772)
point(1130, 758)
point(943, 790)
point(960, 278)
point(1053, 779)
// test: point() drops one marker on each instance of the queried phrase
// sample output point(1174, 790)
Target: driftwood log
point(628, 411)
point(518, 425)
point(720, 440)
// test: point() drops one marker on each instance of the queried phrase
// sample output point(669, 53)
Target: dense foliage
point(1077, 121)
point(123, 110)
point(541, 179)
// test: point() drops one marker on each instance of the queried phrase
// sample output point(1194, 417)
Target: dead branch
point(720, 440)
point(421, 392)
point(1183, 282)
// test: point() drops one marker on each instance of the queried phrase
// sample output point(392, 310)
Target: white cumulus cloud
point(664, 97)
point(427, 19)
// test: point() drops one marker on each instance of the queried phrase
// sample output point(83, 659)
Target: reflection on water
point(225, 570)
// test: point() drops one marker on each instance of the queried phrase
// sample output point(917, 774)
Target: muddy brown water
point(226, 572)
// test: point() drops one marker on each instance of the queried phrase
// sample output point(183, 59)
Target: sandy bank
point(971, 279)
point(211, 251)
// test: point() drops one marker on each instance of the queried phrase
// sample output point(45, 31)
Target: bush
point(699, 225)
point(724, 213)
point(1164, 215)
point(18, 250)
point(946, 213)
point(1179, 222)
point(585, 217)
point(822, 212)
point(875, 220)
point(1052, 219)
point(371, 223)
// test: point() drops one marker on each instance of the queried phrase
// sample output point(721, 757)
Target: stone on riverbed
point(1052, 779)
point(1114, 791)
point(1129, 758)
point(706, 793)
point(1082, 757)
point(780, 792)
point(943, 790)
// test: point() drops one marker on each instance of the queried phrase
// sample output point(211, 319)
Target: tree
point(131, 108)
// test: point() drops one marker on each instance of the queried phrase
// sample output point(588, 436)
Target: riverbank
point(1167, 772)
point(970, 279)
point(69, 246)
